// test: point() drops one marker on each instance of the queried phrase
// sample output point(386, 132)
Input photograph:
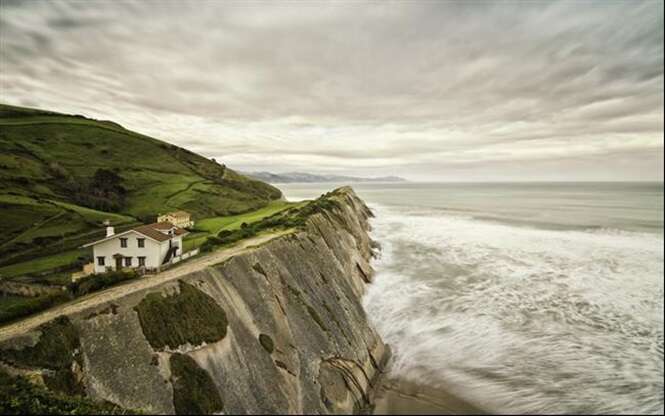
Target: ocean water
point(542, 298)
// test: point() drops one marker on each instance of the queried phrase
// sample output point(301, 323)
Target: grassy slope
point(41, 264)
point(212, 226)
point(40, 217)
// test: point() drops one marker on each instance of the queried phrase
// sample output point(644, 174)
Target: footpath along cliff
point(276, 329)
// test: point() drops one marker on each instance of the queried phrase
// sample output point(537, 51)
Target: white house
point(151, 246)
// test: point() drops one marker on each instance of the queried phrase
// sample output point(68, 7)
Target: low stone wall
point(184, 256)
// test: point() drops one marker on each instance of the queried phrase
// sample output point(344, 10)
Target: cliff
point(277, 329)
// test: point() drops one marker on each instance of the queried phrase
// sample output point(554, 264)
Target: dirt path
point(196, 264)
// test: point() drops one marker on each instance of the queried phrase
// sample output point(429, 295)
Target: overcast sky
point(428, 90)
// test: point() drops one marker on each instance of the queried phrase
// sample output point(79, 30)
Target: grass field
point(212, 226)
point(217, 224)
point(10, 303)
point(42, 264)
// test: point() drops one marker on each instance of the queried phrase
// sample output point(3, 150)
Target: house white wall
point(164, 248)
point(153, 251)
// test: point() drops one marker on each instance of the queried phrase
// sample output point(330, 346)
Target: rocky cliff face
point(279, 329)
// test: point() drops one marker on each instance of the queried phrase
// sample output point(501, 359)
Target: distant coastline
point(300, 177)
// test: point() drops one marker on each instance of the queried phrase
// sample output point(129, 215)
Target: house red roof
point(156, 230)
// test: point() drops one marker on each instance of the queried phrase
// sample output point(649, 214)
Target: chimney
point(109, 230)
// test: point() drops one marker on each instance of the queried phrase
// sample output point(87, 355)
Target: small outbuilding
point(182, 219)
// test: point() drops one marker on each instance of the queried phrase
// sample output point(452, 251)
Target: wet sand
point(399, 397)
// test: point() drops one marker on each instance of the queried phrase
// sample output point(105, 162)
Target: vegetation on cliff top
point(18, 396)
point(20, 307)
point(189, 316)
point(194, 391)
point(16, 307)
point(214, 225)
point(294, 217)
point(56, 350)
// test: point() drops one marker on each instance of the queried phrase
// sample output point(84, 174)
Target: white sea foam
point(522, 319)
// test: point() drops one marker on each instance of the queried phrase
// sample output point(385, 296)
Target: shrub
point(194, 391)
point(105, 191)
point(97, 282)
point(190, 316)
point(56, 350)
point(31, 306)
point(147, 219)
point(224, 233)
point(20, 397)
point(57, 171)
point(210, 243)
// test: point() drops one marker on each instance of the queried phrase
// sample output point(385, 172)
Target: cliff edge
point(277, 329)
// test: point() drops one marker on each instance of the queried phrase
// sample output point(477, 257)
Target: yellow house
point(182, 219)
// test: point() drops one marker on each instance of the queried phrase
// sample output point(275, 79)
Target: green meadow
point(62, 176)
point(212, 226)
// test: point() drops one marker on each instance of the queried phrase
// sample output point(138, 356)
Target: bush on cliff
point(56, 350)
point(12, 311)
point(18, 396)
point(194, 391)
point(96, 282)
point(189, 317)
point(20, 308)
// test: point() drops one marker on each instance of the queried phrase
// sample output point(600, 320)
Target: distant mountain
point(292, 177)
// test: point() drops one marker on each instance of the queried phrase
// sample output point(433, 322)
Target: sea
point(520, 297)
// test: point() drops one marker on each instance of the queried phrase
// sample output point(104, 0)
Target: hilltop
point(301, 177)
point(62, 175)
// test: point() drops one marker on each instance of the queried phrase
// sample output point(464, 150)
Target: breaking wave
point(521, 319)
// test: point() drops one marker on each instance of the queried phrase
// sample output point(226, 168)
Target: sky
point(427, 90)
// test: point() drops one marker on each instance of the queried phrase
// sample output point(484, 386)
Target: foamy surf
point(521, 319)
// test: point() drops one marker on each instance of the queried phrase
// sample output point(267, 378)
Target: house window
point(141, 261)
point(128, 262)
point(123, 242)
point(100, 261)
point(141, 242)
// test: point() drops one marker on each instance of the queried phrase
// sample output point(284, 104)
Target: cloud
point(428, 90)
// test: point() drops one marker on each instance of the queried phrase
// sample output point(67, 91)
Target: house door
point(118, 263)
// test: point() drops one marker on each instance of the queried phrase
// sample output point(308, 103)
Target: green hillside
point(62, 175)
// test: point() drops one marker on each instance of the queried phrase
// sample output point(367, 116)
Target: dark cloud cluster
point(429, 90)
